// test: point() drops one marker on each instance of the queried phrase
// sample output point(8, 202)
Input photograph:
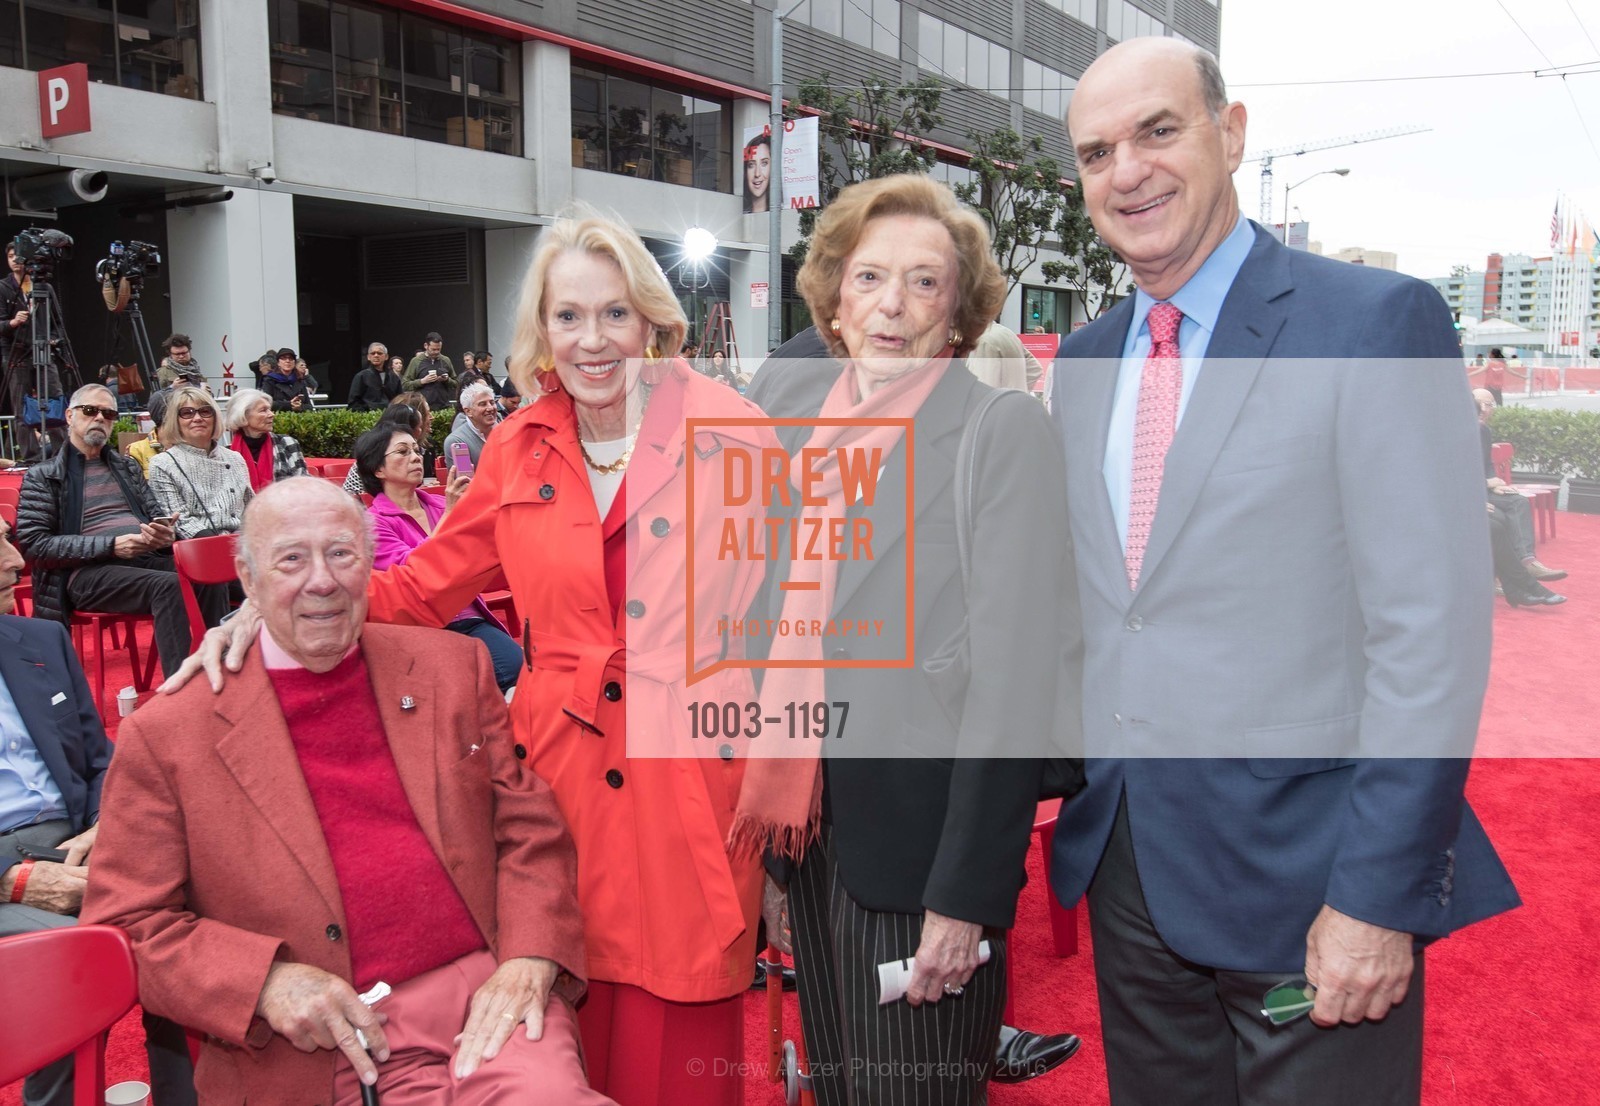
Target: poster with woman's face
point(757, 168)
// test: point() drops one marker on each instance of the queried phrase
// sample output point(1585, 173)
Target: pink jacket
point(398, 534)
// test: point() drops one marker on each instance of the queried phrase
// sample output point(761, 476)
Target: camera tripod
point(53, 363)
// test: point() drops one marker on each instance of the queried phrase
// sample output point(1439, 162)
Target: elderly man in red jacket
point(348, 811)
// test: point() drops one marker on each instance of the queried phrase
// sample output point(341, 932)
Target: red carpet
point(1510, 1018)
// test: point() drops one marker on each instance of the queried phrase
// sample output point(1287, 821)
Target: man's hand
point(20, 319)
point(775, 912)
point(57, 888)
point(157, 535)
point(78, 847)
point(516, 992)
point(129, 546)
point(947, 954)
point(1359, 969)
point(224, 645)
point(316, 1009)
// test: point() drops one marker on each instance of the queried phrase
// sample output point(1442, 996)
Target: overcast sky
point(1484, 180)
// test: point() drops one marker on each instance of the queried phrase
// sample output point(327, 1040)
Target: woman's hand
point(455, 486)
point(223, 645)
point(775, 912)
point(947, 956)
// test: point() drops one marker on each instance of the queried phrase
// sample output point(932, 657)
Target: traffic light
point(1458, 320)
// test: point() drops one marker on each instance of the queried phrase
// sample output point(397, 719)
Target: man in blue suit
point(1257, 600)
point(53, 759)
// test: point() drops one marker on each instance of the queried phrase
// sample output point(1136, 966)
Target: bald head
point(1157, 144)
point(277, 502)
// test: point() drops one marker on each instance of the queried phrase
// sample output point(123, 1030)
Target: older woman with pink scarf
point(905, 839)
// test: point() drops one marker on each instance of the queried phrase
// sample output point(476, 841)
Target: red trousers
point(425, 1015)
point(647, 1051)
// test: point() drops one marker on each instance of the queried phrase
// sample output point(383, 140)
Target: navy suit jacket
point(1317, 633)
point(38, 663)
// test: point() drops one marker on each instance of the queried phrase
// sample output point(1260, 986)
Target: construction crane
point(1265, 157)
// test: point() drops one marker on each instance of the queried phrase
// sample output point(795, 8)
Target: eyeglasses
point(404, 451)
point(196, 413)
point(1288, 1001)
point(93, 411)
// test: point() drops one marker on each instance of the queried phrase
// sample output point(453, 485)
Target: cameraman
point(16, 352)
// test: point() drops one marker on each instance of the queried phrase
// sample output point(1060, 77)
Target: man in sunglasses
point(89, 524)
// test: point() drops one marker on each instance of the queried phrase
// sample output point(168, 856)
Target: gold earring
point(834, 326)
point(651, 353)
point(955, 338)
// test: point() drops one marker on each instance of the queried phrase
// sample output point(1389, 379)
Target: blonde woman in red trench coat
point(578, 504)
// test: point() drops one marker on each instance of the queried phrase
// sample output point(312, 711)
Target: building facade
point(1514, 287)
point(323, 173)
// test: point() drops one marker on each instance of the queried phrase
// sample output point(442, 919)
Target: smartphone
point(30, 852)
point(461, 458)
point(164, 520)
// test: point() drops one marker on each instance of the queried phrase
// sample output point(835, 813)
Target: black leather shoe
point(760, 983)
point(1544, 597)
point(1023, 1055)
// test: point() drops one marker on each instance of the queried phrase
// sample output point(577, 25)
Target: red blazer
point(211, 857)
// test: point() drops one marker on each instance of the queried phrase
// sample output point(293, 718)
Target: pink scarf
point(780, 802)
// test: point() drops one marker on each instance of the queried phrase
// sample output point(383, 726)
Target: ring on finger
point(509, 1017)
point(953, 989)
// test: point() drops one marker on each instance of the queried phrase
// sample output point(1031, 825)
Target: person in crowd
point(397, 365)
point(150, 445)
point(1494, 373)
point(266, 363)
point(758, 173)
point(90, 525)
point(267, 456)
point(432, 373)
point(913, 858)
point(477, 372)
point(179, 365)
point(52, 765)
point(509, 400)
point(271, 859)
point(403, 516)
point(16, 353)
point(303, 371)
point(196, 477)
point(1515, 582)
point(1506, 500)
point(376, 385)
point(999, 359)
point(485, 363)
point(1285, 661)
point(409, 410)
point(285, 384)
point(578, 503)
point(479, 413)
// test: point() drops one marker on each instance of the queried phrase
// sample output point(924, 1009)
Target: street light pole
point(775, 186)
point(1288, 188)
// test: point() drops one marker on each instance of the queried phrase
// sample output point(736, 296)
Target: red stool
point(101, 622)
point(1063, 919)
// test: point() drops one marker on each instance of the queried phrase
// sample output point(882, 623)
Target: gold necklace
point(621, 462)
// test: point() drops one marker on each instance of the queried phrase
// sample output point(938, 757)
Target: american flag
point(1555, 225)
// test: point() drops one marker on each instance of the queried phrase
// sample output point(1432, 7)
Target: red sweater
point(402, 914)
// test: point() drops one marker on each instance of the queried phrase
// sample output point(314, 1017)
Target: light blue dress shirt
point(1200, 300)
point(28, 793)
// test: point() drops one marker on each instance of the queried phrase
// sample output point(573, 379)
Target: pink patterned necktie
point(1159, 387)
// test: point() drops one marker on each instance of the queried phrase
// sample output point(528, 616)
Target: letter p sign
point(64, 100)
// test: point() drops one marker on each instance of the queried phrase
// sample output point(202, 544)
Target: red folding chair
point(1063, 919)
point(203, 561)
point(336, 470)
point(10, 496)
point(102, 623)
point(79, 981)
point(1541, 496)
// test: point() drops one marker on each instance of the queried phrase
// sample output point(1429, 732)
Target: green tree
point(1018, 192)
point(864, 131)
point(1090, 267)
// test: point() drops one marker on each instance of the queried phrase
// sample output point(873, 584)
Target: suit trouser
point(426, 1013)
point(166, 1047)
point(1179, 1033)
point(1518, 509)
point(147, 585)
point(863, 1054)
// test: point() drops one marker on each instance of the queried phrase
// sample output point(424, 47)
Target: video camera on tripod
point(41, 249)
point(123, 271)
point(45, 363)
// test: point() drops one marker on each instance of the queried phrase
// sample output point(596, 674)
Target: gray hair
point(474, 390)
point(1212, 89)
point(377, 345)
point(302, 490)
point(78, 396)
point(239, 405)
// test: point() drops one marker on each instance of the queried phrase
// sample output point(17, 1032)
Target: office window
point(152, 45)
point(1045, 89)
point(874, 24)
point(952, 174)
point(1124, 21)
point(1081, 10)
point(948, 51)
point(379, 69)
point(621, 124)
